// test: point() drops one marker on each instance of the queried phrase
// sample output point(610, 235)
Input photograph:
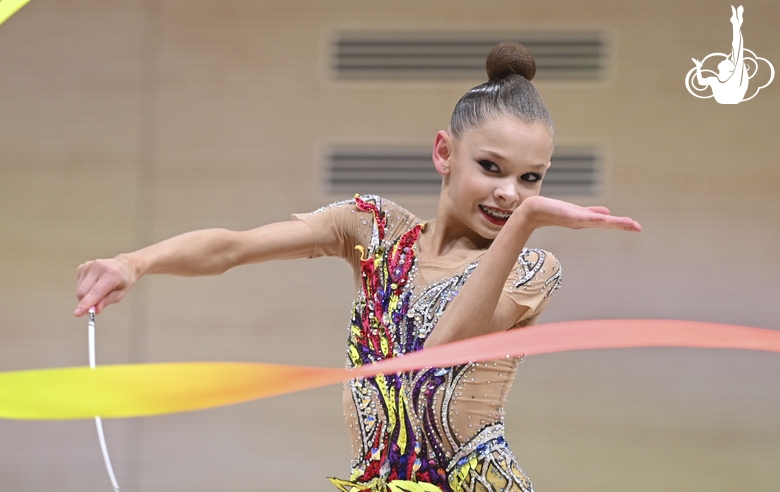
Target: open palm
point(542, 212)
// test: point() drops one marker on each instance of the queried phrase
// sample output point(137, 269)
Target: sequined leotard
point(442, 426)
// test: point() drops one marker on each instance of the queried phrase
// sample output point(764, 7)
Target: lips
point(495, 215)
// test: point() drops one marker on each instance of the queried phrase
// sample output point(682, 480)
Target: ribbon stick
point(9, 8)
point(98, 422)
point(153, 389)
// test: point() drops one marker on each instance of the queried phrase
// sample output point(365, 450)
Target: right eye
point(489, 166)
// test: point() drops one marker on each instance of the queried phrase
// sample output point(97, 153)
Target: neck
point(446, 233)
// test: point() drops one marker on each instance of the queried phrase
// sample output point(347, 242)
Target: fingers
point(625, 224)
point(98, 293)
point(629, 224)
point(600, 218)
point(99, 283)
point(111, 298)
point(599, 210)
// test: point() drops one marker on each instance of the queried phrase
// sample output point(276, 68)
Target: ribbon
point(9, 8)
point(134, 390)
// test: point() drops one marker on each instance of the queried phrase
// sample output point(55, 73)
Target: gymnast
point(419, 284)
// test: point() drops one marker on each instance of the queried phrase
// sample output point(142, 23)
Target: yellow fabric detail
point(379, 485)
point(354, 356)
point(402, 418)
point(409, 486)
point(393, 303)
point(362, 250)
point(383, 344)
point(388, 394)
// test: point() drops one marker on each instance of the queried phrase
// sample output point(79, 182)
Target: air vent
point(574, 171)
point(382, 170)
point(409, 170)
point(575, 55)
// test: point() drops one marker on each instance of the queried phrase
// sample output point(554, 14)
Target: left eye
point(531, 177)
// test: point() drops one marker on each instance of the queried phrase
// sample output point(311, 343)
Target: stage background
point(126, 122)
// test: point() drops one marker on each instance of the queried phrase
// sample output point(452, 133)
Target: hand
point(697, 62)
point(542, 211)
point(102, 282)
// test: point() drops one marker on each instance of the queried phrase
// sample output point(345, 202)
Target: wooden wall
point(126, 122)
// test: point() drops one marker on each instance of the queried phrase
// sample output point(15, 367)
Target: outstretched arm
point(205, 252)
point(479, 308)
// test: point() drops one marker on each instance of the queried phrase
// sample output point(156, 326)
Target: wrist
point(522, 219)
point(133, 265)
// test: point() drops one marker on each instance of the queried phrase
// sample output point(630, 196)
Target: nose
point(506, 194)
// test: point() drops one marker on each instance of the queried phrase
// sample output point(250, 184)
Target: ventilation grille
point(574, 171)
point(415, 55)
point(382, 170)
point(409, 170)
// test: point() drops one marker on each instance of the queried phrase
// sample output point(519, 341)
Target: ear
point(442, 151)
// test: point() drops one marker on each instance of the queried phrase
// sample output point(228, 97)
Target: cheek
point(465, 186)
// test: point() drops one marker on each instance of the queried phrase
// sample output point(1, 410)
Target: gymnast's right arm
point(197, 253)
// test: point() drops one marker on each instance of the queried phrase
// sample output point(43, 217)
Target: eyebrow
point(498, 156)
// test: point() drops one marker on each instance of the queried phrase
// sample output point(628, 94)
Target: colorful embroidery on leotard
point(404, 420)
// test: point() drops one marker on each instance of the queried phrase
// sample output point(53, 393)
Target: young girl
point(420, 284)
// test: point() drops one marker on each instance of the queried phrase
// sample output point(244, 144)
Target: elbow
point(230, 254)
point(218, 253)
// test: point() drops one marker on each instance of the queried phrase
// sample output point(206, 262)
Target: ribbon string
point(134, 390)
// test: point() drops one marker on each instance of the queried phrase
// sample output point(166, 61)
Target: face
point(490, 170)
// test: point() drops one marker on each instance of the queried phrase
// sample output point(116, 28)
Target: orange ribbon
point(153, 389)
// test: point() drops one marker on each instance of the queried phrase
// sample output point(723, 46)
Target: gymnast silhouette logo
point(730, 84)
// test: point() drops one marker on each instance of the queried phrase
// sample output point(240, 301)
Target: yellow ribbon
point(9, 8)
point(153, 389)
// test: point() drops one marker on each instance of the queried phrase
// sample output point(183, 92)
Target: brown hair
point(508, 91)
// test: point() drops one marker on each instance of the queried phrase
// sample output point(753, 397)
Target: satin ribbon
point(135, 390)
point(9, 8)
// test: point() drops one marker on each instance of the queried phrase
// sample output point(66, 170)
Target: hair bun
point(508, 58)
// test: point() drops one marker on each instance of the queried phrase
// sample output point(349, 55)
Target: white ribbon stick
point(98, 422)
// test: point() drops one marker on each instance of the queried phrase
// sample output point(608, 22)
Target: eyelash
point(493, 167)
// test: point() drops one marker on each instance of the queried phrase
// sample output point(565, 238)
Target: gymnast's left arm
point(479, 308)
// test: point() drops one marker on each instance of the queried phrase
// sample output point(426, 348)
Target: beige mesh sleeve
point(337, 229)
point(536, 276)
